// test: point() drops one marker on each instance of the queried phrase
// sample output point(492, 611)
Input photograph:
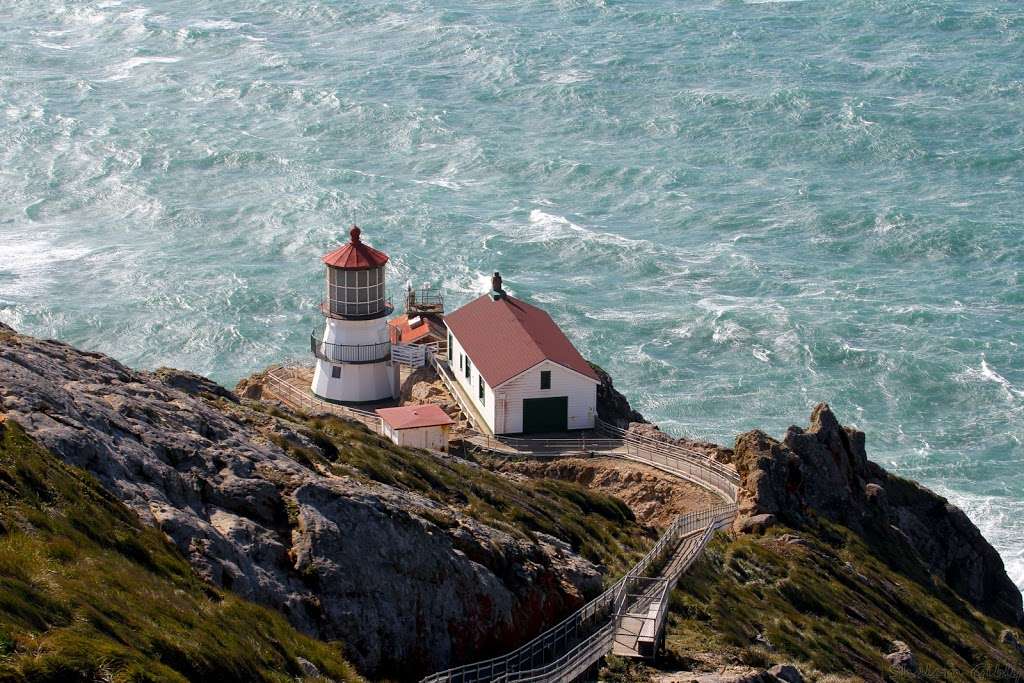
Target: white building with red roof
point(521, 372)
point(419, 426)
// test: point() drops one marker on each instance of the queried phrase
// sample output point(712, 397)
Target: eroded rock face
point(612, 406)
point(342, 558)
point(824, 470)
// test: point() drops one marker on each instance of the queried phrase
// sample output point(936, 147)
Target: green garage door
point(545, 414)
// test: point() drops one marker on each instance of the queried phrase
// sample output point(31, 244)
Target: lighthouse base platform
point(356, 382)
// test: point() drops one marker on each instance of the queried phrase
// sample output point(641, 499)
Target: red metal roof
point(410, 417)
point(356, 255)
point(506, 337)
point(408, 335)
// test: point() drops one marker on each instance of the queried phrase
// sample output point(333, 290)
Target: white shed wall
point(433, 438)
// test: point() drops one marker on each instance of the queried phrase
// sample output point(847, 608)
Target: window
point(469, 367)
point(356, 292)
point(462, 360)
point(450, 345)
point(481, 389)
point(335, 371)
point(545, 379)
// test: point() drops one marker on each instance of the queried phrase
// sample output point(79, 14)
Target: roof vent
point(415, 322)
point(496, 291)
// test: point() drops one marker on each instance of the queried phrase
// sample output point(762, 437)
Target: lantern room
point(355, 281)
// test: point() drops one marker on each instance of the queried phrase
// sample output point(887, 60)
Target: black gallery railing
point(349, 353)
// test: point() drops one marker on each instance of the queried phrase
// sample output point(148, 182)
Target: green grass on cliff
point(599, 527)
point(830, 606)
point(88, 593)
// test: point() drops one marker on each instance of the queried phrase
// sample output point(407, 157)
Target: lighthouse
point(353, 353)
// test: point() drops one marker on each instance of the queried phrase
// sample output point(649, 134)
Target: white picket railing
point(413, 355)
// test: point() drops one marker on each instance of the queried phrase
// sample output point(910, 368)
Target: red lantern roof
point(356, 255)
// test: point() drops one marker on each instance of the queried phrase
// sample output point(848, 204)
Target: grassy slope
point(89, 593)
point(599, 527)
point(833, 606)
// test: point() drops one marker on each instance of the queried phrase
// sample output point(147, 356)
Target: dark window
point(545, 379)
point(461, 361)
point(450, 346)
point(481, 390)
point(469, 367)
point(335, 371)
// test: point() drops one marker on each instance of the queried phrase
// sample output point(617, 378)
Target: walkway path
point(628, 618)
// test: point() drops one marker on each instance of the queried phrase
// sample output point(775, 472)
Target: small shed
point(419, 426)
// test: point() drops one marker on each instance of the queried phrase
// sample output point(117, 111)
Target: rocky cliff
point(88, 593)
point(414, 563)
point(824, 471)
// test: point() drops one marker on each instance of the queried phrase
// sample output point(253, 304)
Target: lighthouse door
point(542, 415)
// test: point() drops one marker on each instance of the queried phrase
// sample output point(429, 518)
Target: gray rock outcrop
point(824, 470)
point(342, 558)
point(787, 673)
point(901, 657)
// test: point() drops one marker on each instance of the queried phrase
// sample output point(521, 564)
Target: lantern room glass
point(356, 293)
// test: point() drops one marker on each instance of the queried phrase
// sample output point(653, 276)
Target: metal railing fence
point(288, 393)
point(578, 632)
point(349, 353)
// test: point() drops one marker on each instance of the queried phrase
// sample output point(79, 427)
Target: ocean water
point(738, 208)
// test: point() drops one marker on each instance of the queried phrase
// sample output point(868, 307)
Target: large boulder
point(824, 470)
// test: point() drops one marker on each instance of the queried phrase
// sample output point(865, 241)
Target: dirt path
point(656, 498)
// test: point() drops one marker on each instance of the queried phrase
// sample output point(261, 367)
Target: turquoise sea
point(738, 208)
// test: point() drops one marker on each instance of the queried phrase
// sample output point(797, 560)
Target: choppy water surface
point(738, 208)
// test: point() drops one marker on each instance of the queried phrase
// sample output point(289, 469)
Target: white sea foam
point(52, 46)
point(471, 282)
point(31, 263)
point(219, 25)
point(986, 373)
point(991, 375)
point(125, 68)
point(567, 77)
point(548, 227)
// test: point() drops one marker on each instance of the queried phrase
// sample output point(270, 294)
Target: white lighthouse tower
point(353, 355)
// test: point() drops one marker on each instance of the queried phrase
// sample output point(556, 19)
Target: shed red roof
point(507, 336)
point(355, 255)
point(408, 334)
point(410, 417)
